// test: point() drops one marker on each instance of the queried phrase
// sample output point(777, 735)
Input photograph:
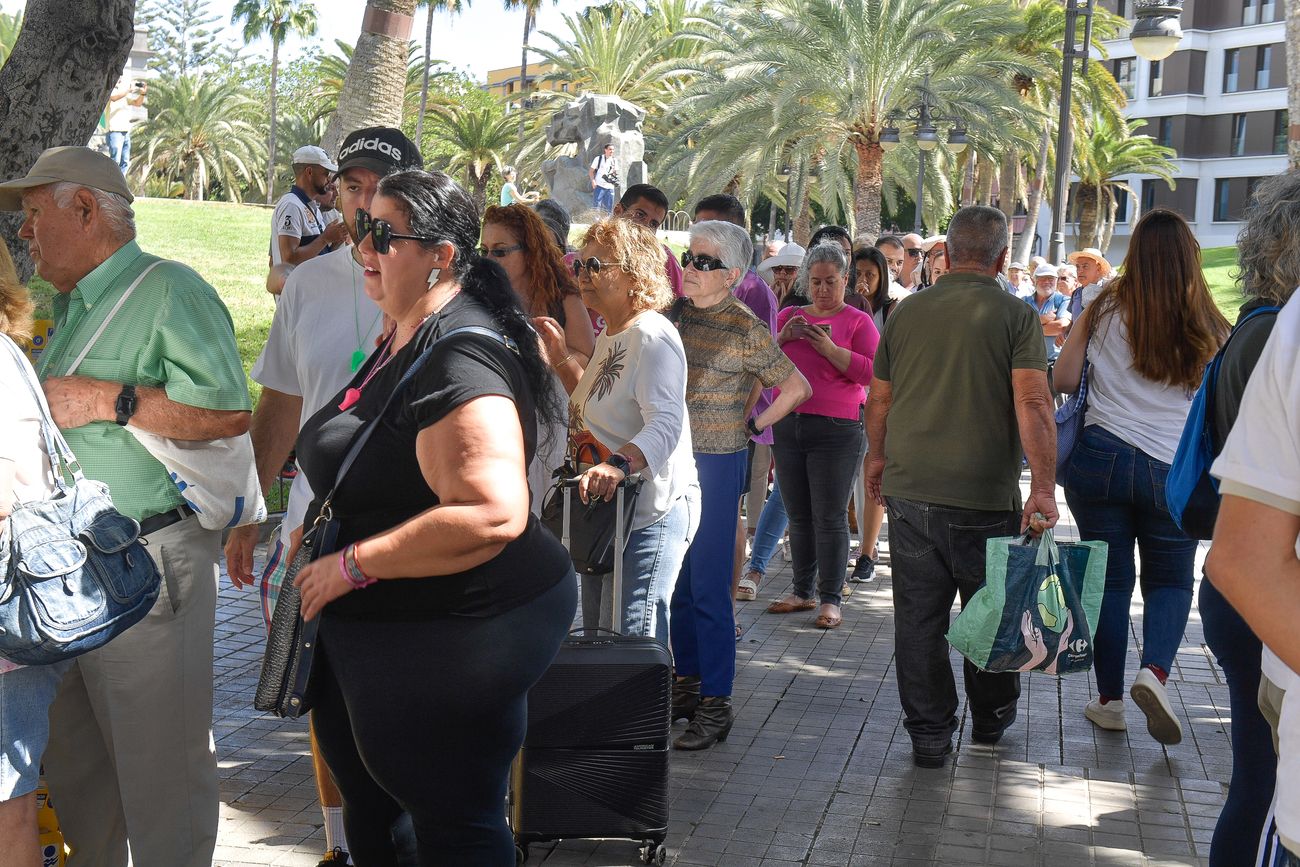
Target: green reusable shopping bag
point(1038, 608)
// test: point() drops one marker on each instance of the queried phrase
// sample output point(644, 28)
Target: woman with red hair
point(517, 240)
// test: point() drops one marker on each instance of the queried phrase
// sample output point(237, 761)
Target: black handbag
point(283, 686)
point(588, 532)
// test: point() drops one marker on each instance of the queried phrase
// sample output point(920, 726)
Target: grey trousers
point(936, 556)
point(131, 761)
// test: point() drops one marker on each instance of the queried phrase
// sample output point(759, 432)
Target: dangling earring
point(433, 276)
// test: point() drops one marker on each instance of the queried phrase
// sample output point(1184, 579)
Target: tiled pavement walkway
point(818, 768)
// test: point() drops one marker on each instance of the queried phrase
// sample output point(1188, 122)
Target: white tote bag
point(217, 478)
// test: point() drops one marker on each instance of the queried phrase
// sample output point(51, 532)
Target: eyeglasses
point(500, 252)
point(784, 269)
point(381, 232)
point(914, 252)
point(700, 262)
point(591, 264)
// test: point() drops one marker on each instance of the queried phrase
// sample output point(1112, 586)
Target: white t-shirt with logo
point(601, 164)
point(634, 391)
point(296, 219)
point(324, 319)
point(1261, 462)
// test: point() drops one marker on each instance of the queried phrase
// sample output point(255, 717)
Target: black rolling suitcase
point(595, 759)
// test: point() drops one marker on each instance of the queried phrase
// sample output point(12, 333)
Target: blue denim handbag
point(74, 573)
point(1069, 422)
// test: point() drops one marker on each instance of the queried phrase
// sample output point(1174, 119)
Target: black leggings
point(425, 718)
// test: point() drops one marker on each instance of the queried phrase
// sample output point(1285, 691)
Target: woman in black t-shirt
point(447, 600)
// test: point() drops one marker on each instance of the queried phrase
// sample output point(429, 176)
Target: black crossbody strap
point(360, 442)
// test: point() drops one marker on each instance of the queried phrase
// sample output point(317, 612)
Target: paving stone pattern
point(818, 768)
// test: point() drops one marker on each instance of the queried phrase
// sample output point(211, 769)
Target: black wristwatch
point(753, 428)
point(620, 463)
point(126, 405)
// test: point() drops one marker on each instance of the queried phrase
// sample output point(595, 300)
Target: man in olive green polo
point(130, 761)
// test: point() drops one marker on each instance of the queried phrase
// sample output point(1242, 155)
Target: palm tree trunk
point(1035, 203)
point(1103, 195)
point(866, 192)
point(983, 183)
point(1008, 182)
point(1112, 214)
point(1086, 197)
point(530, 17)
point(424, 82)
point(270, 146)
point(480, 189)
point(771, 221)
point(968, 180)
point(374, 89)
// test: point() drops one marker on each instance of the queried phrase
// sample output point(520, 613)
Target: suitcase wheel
point(653, 853)
point(521, 854)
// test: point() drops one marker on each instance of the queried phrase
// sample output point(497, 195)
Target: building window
point(1121, 206)
point(1249, 12)
point(1231, 67)
point(1263, 67)
point(1126, 77)
point(1157, 84)
point(1148, 194)
point(1238, 146)
point(1165, 132)
point(1281, 128)
point(1222, 200)
point(1268, 11)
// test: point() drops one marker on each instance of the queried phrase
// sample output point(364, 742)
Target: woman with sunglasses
point(730, 357)
point(438, 561)
point(819, 450)
point(631, 399)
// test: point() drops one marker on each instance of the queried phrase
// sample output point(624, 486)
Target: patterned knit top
point(727, 349)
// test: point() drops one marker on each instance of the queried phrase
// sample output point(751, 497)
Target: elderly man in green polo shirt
point(130, 761)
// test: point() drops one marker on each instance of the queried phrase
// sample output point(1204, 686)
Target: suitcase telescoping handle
point(620, 541)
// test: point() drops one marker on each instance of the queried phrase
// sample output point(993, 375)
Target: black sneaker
point(989, 734)
point(931, 757)
point(865, 569)
point(335, 857)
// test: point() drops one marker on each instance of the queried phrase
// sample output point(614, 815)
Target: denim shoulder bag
point(74, 573)
point(1069, 419)
point(282, 687)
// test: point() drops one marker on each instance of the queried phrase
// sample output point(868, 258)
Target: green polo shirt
point(173, 332)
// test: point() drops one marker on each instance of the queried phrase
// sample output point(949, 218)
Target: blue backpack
point(1191, 493)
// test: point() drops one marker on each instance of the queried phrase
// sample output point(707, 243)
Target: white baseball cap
point(1045, 271)
point(310, 155)
point(1016, 266)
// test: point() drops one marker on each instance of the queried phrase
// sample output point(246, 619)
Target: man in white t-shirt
point(604, 178)
point(1255, 559)
point(298, 230)
point(324, 328)
point(127, 94)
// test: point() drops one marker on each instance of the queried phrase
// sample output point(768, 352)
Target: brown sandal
point(781, 606)
point(828, 621)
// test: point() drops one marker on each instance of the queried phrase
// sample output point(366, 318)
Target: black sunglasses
point(914, 251)
point(499, 252)
point(381, 233)
point(591, 264)
point(700, 262)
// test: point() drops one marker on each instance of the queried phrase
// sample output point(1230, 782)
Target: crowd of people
point(432, 367)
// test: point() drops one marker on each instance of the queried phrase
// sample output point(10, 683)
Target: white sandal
point(747, 589)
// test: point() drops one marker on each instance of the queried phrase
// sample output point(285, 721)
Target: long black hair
point(880, 297)
point(436, 207)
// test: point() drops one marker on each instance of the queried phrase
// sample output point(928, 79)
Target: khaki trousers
point(1270, 705)
point(131, 762)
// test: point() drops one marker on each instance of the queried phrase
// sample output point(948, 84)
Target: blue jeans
point(25, 698)
point(772, 522)
point(1117, 495)
point(602, 199)
point(119, 149)
point(1254, 764)
point(816, 456)
point(703, 626)
point(651, 561)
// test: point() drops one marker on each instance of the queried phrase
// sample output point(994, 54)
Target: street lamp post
point(927, 139)
point(1155, 36)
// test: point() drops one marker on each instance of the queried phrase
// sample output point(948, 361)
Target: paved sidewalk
point(818, 768)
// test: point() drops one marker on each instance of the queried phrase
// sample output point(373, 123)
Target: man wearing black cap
point(324, 328)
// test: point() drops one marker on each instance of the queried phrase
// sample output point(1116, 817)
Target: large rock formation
point(591, 122)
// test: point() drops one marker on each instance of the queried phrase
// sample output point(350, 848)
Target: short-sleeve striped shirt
point(727, 348)
point(174, 333)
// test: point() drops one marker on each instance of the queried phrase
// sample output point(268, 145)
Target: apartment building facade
point(1220, 101)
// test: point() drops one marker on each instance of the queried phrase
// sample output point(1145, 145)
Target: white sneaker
point(1153, 699)
point(1109, 716)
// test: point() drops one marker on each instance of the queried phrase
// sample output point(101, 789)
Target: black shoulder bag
point(286, 666)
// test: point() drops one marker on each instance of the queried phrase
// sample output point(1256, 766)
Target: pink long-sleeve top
point(834, 394)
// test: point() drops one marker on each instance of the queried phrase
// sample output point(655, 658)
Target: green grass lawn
point(1220, 264)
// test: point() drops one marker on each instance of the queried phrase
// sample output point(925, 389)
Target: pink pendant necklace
point(352, 395)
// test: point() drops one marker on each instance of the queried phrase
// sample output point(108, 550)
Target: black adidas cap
point(381, 149)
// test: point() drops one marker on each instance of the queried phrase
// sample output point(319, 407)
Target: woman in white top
point(1148, 337)
point(25, 692)
point(631, 398)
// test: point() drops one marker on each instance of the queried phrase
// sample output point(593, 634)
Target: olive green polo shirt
point(173, 332)
point(948, 352)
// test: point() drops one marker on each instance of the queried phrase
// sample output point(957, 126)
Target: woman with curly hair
point(520, 242)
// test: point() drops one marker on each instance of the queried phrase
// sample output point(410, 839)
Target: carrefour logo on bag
point(1079, 645)
point(371, 144)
